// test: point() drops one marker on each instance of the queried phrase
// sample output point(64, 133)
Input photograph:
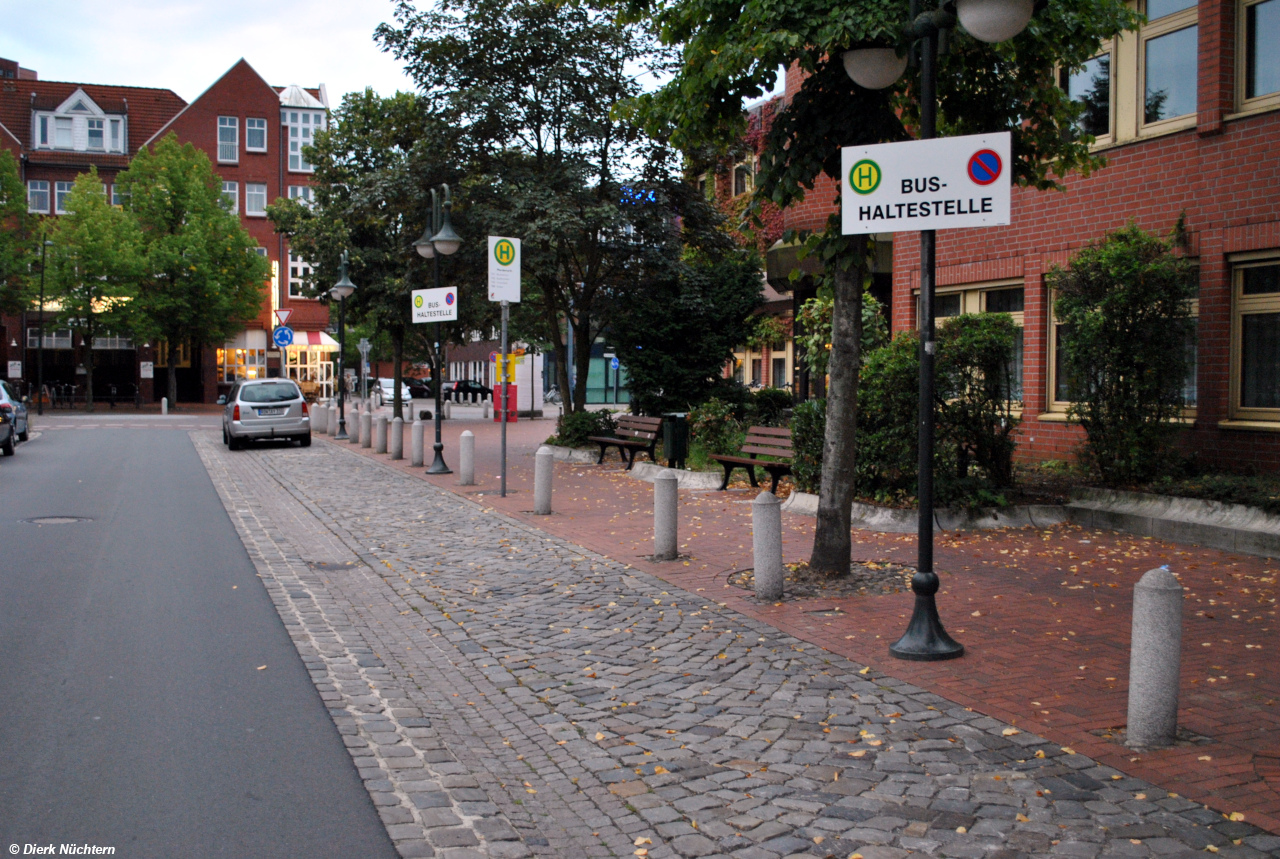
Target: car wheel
point(304, 440)
point(224, 434)
point(25, 435)
point(10, 444)
point(234, 443)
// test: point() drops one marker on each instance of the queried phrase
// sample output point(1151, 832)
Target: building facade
point(253, 134)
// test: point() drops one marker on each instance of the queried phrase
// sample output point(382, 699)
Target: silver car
point(265, 408)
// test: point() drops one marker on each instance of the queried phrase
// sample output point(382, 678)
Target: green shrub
point(715, 426)
point(735, 394)
point(769, 407)
point(573, 429)
point(888, 395)
point(808, 429)
point(1127, 334)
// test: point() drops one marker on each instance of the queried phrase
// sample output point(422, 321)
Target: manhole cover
point(57, 520)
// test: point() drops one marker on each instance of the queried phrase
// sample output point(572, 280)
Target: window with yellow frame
point(1000, 297)
point(1257, 57)
point(181, 354)
point(1255, 341)
point(1168, 55)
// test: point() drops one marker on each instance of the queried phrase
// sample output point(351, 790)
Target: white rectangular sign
point(435, 305)
point(940, 184)
point(504, 269)
point(146, 369)
point(15, 369)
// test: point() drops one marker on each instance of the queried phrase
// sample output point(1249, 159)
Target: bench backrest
point(768, 441)
point(638, 427)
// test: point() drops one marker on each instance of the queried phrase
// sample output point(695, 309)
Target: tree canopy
point(18, 240)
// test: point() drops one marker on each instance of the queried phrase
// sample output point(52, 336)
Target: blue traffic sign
point(282, 336)
point(614, 363)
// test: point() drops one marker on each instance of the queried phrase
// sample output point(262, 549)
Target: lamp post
point(44, 246)
point(342, 291)
point(925, 639)
point(439, 238)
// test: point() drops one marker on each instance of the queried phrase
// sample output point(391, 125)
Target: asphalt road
point(133, 713)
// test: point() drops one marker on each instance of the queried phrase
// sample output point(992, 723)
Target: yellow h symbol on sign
point(865, 176)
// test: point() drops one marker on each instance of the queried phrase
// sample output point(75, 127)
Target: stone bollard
point(543, 468)
point(164, 405)
point(467, 459)
point(333, 419)
point(353, 424)
point(488, 409)
point(380, 434)
point(766, 541)
point(366, 429)
point(415, 440)
point(396, 442)
point(666, 515)
point(1155, 660)
point(446, 410)
point(319, 419)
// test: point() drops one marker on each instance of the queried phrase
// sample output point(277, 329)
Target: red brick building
point(1187, 113)
point(253, 134)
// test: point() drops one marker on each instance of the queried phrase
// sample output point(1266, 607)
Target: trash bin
point(675, 438)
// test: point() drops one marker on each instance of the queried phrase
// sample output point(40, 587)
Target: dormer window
point(96, 135)
point(78, 124)
point(62, 132)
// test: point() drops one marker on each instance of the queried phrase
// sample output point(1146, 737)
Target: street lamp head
point(344, 287)
point(447, 241)
point(424, 246)
point(994, 20)
point(874, 67)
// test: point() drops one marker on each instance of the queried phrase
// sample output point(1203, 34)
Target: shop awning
point(317, 341)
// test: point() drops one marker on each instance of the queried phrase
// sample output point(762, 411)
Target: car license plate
point(266, 413)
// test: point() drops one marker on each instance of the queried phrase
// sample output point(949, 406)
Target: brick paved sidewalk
point(1044, 616)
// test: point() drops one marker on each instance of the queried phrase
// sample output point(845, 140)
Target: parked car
point(385, 391)
point(466, 389)
point(265, 408)
point(14, 426)
point(420, 389)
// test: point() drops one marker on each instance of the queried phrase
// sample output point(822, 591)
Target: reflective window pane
point(1160, 8)
point(1005, 300)
point(1262, 63)
point(1091, 86)
point(1171, 74)
point(1260, 361)
point(1261, 280)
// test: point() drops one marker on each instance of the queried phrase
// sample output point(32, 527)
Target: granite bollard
point(766, 544)
point(396, 442)
point(666, 501)
point(467, 458)
point(415, 441)
point(543, 469)
point(1155, 660)
point(380, 435)
point(366, 429)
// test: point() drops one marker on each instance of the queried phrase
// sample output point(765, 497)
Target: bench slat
point(765, 451)
point(769, 441)
point(778, 431)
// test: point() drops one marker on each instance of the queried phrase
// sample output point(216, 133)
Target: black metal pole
point(925, 639)
point(437, 464)
point(341, 434)
point(40, 343)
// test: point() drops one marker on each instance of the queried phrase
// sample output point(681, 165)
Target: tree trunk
point(397, 356)
point(173, 376)
point(88, 374)
point(582, 360)
point(832, 543)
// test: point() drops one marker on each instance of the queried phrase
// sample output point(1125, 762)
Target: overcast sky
point(186, 45)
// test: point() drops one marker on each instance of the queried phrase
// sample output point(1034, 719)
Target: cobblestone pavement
point(507, 693)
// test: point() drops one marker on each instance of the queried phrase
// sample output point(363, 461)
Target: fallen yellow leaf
point(660, 770)
point(962, 830)
point(1009, 732)
point(1068, 751)
point(1040, 753)
point(642, 840)
point(262, 668)
point(1022, 818)
point(1236, 816)
point(599, 736)
point(865, 670)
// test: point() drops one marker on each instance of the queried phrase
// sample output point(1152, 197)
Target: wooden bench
point(774, 442)
point(633, 435)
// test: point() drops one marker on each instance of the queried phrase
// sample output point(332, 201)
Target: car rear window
point(272, 392)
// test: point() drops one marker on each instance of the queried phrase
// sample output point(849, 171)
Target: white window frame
point(302, 125)
point(230, 155)
point(116, 140)
point(38, 186)
point(54, 338)
point(59, 124)
point(231, 193)
point(102, 134)
point(973, 300)
point(252, 125)
point(299, 270)
point(302, 193)
point(251, 191)
point(113, 341)
point(61, 191)
point(42, 130)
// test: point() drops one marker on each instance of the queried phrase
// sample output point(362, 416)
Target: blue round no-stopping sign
point(985, 167)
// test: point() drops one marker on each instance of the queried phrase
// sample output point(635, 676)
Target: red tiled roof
point(147, 108)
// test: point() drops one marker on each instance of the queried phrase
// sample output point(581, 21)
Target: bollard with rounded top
point(447, 410)
point(164, 405)
point(380, 434)
point(333, 419)
point(1155, 660)
point(666, 500)
point(415, 440)
point(467, 459)
point(320, 419)
point(488, 409)
point(543, 468)
point(366, 429)
point(766, 542)
point(396, 442)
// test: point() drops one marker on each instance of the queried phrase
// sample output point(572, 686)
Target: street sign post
point(434, 305)
point(504, 287)
point(940, 184)
point(282, 336)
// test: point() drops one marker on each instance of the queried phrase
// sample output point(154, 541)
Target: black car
point(420, 389)
point(14, 426)
point(465, 390)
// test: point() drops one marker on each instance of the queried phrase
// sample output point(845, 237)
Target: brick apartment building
point(253, 134)
point(1187, 112)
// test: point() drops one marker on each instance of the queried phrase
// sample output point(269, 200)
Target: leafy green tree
point(93, 277)
point(675, 337)
point(18, 239)
point(532, 89)
point(203, 278)
point(1124, 308)
point(731, 52)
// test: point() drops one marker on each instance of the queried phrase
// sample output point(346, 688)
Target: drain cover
point(57, 520)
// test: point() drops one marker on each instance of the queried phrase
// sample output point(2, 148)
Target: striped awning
point(317, 341)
